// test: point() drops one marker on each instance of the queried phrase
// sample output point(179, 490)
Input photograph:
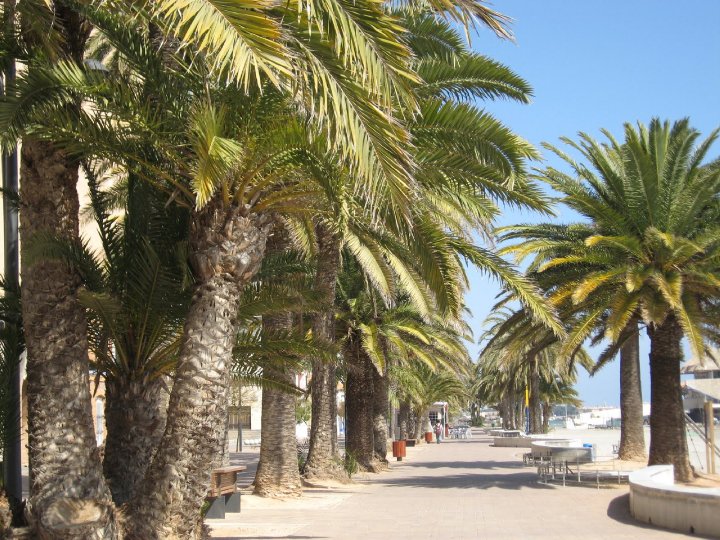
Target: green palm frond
point(471, 76)
point(239, 37)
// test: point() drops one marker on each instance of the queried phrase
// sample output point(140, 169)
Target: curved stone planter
point(525, 441)
point(560, 449)
point(656, 499)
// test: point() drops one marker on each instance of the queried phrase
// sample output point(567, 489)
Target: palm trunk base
point(359, 439)
point(668, 441)
point(629, 452)
point(632, 435)
point(278, 475)
point(323, 462)
point(330, 471)
point(76, 519)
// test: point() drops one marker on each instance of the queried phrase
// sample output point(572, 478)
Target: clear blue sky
point(597, 64)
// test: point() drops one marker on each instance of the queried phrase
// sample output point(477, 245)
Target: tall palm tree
point(136, 300)
point(653, 202)
point(253, 49)
point(456, 187)
point(560, 259)
point(217, 221)
point(64, 458)
point(532, 353)
point(377, 337)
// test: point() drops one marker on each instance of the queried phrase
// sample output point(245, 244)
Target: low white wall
point(512, 442)
point(544, 448)
point(505, 433)
point(655, 499)
point(526, 441)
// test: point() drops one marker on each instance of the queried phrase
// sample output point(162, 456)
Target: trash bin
point(398, 449)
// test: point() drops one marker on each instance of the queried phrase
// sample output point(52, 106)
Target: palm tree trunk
point(277, 473)
point(64, 458)
point(226, 251)
point(135, 414)
point(668, 442)
point(420, 425)
point(519, 412)
point(322, 462)
point(359, 439)
point(65, 467)
point(632, 437)
point(546, 407)
point(535, 421)
point(507, 405)
point(380, 413)
point(404, 420)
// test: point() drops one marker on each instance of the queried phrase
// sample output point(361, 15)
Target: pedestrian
point(438, 432)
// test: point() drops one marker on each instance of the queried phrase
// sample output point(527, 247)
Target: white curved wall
point(549, 447)
point(655, 499)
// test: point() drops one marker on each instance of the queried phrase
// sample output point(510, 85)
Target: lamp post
point(12, 447)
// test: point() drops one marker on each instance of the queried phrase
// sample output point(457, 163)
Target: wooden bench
point(223, 493)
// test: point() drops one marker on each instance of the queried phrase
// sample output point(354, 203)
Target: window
point(99, 420)
point(239, 416)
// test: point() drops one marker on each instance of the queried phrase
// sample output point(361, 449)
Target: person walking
point(438, 432)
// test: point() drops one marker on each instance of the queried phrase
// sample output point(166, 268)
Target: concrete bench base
point(222, 504)
point(657, 500)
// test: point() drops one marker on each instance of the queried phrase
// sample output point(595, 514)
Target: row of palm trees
point(273, 184)
point(646, 257)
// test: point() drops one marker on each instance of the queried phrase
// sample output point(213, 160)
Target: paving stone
point(455, 490)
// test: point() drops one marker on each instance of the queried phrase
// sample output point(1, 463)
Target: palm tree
point(531, 354)
point(357, 128)
point(216, 216)
point(136, 300)
point(560, 259)
point(653, 204)
point(277, 473)
point(456, 186)
point(376, 338)
point(64, 457)
point(420, 385)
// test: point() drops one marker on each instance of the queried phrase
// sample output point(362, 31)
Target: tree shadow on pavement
point(483, 465)
point(468, 481)
point(619, 510)
point(262, 537)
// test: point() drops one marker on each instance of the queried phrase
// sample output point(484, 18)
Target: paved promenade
point(457, 489)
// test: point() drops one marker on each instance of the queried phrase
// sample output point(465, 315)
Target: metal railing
point(690, 423)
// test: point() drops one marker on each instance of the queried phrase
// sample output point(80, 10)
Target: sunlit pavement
point(457, 489)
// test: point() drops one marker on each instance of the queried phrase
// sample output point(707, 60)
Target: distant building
point(704, 386)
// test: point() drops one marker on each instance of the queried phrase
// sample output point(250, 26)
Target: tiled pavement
point(457, 489)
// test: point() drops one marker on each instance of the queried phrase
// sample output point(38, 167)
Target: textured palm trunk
point(520, 413)
point(277, 473)
point(381, 401)
point(419, 425)
point(535, 415)
point(507, 410)
point(632, 436)
point(226, 251)
point(64, 458)
point(359, 439)
point(392, 427)
point(135, 414)
point(322, 462)
point(668, 442)
point(68, 495)
point(546, 417)
point(404, 420)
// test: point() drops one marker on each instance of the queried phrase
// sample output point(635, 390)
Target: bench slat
point(223, 481)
